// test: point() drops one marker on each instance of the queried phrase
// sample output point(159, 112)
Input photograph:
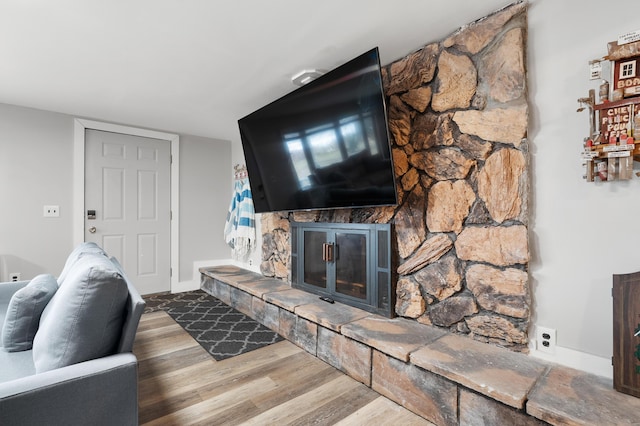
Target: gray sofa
point(77, 366)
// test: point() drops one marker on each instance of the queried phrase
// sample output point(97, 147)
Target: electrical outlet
point(51, 211)
point(14, 276)
point(546, 339)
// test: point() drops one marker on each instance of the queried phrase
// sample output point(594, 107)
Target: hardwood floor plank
point(339, 407)
point(207, 409)
point(253, 359)
point(162, 330)
point(299, 407)
point(181, 384)
point(171, 361)
point(170, 340)
point(296, 381)
point(154, 320)
point(232, 416)
point(203, 377)
point(173, 384)
point(164, 407)
point(383, 412)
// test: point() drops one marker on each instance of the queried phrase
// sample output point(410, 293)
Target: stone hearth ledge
point(445, 378)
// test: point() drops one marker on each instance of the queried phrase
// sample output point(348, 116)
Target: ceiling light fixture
point(306, 76)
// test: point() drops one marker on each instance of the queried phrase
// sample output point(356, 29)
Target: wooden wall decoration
point(614, 118)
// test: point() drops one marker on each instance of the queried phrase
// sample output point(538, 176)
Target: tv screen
point(324, 145)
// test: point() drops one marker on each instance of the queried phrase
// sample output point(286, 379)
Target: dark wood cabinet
point(626, 337)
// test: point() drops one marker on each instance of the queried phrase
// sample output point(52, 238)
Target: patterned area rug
point(220, 329)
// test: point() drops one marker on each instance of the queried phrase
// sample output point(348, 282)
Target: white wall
point(36, 164)
point(581, 233)
point(36, 150)
point(204, 196)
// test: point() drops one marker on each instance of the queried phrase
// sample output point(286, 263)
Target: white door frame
point(80, 125)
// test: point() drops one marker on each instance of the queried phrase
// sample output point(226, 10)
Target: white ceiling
point(196, 66)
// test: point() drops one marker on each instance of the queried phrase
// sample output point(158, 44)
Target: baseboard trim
point(194, 282)
point(579, 360)
point(183, 286)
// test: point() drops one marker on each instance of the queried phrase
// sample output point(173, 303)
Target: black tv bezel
point(331, 76)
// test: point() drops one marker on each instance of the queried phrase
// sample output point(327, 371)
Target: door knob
point(92, 229)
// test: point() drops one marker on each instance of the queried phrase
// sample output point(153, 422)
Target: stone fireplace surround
point(445, 378)
point(458, 124)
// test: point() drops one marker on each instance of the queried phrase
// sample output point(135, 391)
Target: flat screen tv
point(324, 145)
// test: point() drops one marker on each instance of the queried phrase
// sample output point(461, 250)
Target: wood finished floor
point(181, 384)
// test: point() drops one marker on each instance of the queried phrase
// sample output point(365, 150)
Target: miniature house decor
point(626, 68)
point(614, 118)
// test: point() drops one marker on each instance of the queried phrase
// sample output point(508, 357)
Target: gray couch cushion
point(15, 365)
point(80, 250)
point(24, 311)
point(134, 308)
point(84, 319)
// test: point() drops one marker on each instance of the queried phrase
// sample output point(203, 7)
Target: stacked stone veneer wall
point(458, 120)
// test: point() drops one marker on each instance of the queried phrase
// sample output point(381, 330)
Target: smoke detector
point(306, 76)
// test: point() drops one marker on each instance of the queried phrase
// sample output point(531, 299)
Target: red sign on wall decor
point(617, 118)
point(615, 121)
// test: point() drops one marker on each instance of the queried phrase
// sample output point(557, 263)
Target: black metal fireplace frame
point(380, 275)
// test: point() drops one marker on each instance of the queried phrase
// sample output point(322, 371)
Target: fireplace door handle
point(327, 252)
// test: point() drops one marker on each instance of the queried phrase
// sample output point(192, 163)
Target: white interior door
point(128, 204)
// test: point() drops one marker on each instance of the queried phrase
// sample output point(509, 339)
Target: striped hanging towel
point(240, 226)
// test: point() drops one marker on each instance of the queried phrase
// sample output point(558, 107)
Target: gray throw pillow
point(80, 250)
point(24, 311)
point(84, 319)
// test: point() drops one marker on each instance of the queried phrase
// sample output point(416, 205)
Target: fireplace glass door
point(346, 262)
point(315, 271)
point(351, 264)
point(336, 261)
